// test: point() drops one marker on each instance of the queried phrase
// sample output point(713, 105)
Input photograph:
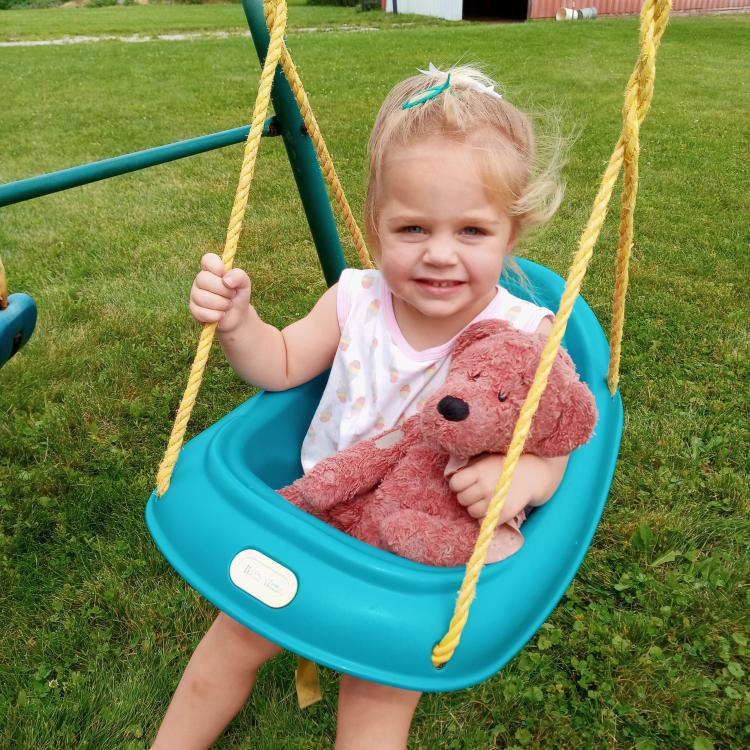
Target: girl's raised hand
point(219, 296)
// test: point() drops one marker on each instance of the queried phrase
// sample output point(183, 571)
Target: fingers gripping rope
point(654, 16)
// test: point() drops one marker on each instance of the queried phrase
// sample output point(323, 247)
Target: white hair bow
point(469, 83)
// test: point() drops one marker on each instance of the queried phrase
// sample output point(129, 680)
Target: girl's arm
point(261, 354)
point(276, 360)
point(534, 481)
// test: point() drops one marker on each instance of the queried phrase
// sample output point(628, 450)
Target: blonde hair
point(500, 135)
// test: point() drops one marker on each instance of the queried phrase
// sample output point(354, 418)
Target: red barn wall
point(548, 8)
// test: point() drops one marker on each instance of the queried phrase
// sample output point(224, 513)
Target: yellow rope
point(326, 163)
point(276, 14)
point(638, 96)
point(307, 679)
point(654, 16)
point(230, 247)
point(3, 287)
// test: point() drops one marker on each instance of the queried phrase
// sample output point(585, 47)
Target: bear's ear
point(575, 424)
point(479, 331)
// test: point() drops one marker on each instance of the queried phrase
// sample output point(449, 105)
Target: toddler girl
point(452, 186)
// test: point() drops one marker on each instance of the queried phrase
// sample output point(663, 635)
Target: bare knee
point(249, 648)
point(373, 716)
point(354, 687)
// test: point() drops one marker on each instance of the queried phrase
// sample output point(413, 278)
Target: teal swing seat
point(347, 605)
point(17, 322)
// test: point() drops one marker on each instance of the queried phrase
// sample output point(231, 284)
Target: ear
point(575, 424)
point(515, 233)
point(478, 331)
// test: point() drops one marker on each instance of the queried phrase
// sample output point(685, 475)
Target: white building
point(451, 10)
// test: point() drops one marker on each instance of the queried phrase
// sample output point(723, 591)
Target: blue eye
point(413, 229)
point(472, 231)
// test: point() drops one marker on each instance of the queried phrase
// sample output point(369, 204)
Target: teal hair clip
point(427, 94)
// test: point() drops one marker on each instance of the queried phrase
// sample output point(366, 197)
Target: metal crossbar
point(287, 122)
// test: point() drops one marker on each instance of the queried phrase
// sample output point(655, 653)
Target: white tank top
point(377, 379)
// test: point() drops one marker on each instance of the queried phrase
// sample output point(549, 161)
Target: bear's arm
point(357, 469)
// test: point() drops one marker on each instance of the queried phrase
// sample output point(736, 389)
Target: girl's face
point(442, 239)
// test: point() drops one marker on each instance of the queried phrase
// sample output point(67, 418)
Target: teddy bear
point(392, 490)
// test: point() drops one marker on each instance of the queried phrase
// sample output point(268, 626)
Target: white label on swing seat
point(263, 578)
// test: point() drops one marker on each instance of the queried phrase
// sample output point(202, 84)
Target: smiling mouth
point(439, 284)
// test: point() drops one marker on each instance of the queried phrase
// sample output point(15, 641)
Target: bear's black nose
point(453, 409)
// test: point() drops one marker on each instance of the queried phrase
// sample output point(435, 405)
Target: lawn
point(648, 648)
point(158, 18)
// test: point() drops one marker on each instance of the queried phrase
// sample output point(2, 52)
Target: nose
point(453, 409)
point(439, 251)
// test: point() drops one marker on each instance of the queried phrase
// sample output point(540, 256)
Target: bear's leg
point(293, 494)
point(355, 518)
point(428, 539)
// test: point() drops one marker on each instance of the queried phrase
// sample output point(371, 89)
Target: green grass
point(648, 649)
point(157, 18)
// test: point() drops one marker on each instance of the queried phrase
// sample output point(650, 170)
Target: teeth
point(441, 283)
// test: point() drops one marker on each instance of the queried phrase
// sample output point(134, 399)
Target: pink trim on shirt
point(435, 352)
point(344, 304)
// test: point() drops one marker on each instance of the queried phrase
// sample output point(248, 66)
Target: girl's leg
point(215, 685)
point(372, 716)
